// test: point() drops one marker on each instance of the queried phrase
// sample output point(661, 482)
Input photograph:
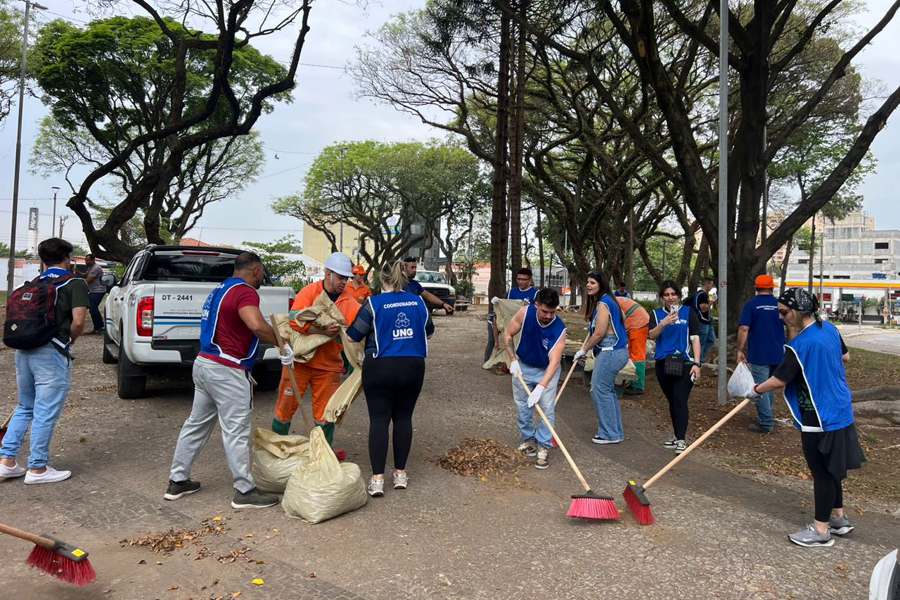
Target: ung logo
point(545, 343)
point(402, 330)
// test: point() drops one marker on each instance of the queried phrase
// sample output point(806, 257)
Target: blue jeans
point(603, 392)
point(43, 377)
point(97, 319)
point(764, 402)
point(525, 416)
point(707, 339)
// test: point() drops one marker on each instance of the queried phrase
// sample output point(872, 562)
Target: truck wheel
point(267, 379)
point(108, 357)
point(131, 383)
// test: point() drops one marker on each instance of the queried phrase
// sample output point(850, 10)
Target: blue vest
point(209, 321)
point(676, 337)
point(536, 340)
point(400, 320)
point(818, 349)
point(517, 294)
point(617, 320)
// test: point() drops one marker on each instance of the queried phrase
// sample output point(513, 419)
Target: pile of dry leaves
point(176, 539)
point(481, 458)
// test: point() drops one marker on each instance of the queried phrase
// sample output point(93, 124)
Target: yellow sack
point(323, 488)
point(344, 396)
point(504, 311)
point(323, 313)
point(628, 373)
point(276, 457)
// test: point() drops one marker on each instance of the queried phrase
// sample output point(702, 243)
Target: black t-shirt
point(790, 371)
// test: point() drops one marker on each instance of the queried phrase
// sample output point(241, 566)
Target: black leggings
point(827, 490)
point(676, 390)
point(392, 386)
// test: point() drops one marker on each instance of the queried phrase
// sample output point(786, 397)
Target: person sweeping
point(816, 391)
point(323, 372)
point(536, 360)
point(396, 325)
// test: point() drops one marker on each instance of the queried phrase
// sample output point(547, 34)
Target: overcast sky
point(325, 111)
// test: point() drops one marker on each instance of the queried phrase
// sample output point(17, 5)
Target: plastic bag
point(740, 384)
point(323, 488)
point(276, 457)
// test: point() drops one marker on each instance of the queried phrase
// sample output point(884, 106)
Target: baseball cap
point(358, 270)
point(339, 263)
point(764, 282)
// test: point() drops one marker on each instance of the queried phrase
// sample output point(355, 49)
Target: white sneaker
point(401, 480)
point(527, 450)
point(542, 461)
point(376, 487)
point(11, 472)
point(51, 475)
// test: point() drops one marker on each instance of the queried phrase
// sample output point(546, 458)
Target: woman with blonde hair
point(395, 325)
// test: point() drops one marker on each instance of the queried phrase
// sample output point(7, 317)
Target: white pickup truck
point(153, 314)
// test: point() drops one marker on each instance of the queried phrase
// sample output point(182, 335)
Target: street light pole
point(11, 266)
point(55, 189)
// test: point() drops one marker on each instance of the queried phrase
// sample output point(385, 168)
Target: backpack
point(31, 313)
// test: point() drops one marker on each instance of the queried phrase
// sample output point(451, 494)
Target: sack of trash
point(740, 384)
point(276, 457)
point(628, 373)
point(323, 488)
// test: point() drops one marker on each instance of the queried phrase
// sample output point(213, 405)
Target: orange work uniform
point(359, 292)
point(323, 372)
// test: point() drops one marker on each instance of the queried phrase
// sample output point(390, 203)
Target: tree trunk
point(812, 254)
point(540, 244)
point(629, 260)
point(785, 262)
point(499, 229)
point(516, 145)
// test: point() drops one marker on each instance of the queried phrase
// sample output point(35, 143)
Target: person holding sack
point(536, 359)
point(637, 321)
point(396, 325)
point(43, 362)
point(675, 328)
point(608, 340)
point(816, 391)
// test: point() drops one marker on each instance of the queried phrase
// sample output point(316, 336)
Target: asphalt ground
point(718, 534)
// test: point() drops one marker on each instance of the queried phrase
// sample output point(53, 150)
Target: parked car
point(153, 314)
point(436, 283)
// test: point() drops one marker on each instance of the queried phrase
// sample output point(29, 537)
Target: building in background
point(855, 266)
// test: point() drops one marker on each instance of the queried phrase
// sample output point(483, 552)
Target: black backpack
point(31, 313)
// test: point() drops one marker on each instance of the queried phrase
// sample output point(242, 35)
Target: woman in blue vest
point(395, 325)
point(676, 329)
point(815, 389)
point(608, 341)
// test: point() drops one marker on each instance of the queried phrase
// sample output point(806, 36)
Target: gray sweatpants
point(222, 392)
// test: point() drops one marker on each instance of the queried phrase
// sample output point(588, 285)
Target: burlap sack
point(275, 458)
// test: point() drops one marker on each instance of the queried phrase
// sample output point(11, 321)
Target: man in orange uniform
point(637, 321)
point(323, 372)
point(357, 286)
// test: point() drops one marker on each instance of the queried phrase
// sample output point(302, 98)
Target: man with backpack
point(43, 318)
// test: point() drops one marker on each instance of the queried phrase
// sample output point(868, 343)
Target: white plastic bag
point(276, 457)
point(323, 488)
point(740, 384)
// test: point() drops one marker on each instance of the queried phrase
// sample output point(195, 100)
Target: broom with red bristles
point(588, 505)
point(635, 494)
point(64, 561)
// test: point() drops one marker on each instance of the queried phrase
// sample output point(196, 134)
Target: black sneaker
point(253, 499)
point(177, 489)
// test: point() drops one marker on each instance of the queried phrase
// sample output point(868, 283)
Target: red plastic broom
point(635, 496)
point(56, 557)
point(588, 505)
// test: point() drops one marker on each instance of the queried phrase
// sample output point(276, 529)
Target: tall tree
point(206, 86)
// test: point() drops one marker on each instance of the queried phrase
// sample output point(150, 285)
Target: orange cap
point(764, 282)
point(359, 270)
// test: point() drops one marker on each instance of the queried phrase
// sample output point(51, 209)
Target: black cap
point(409, 259)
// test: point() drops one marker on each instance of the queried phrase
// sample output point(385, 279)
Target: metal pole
point(11, 267)
point(53, 220)
point(723, 201)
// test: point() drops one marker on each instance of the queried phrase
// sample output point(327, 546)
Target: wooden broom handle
point(559, 443)
point(8, 419)
point(697, 442)
point(290, 371)
point(568, 376)
point(27, 536)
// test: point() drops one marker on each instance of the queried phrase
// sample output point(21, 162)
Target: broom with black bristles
point(635, 494)
point(588, 505)
point(56, 557)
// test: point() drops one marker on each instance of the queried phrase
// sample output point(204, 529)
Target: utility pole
point(55, 189)
point(11, 268)
point(723, 201)
point(343, 152)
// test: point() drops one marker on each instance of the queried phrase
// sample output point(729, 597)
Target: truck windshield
point(430, 277)
point(194, 266)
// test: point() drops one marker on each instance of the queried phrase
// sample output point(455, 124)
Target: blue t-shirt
point(765, 340)
point(517, 294)
point(414, 287)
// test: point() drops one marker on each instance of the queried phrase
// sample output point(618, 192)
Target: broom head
point(593, 507)
point(638, 503)
point(63, 561)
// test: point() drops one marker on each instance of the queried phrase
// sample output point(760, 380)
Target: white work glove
point(579, 355)
point(514, 368)
point(286, 354)
point(535, 396)
point(495, 300)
